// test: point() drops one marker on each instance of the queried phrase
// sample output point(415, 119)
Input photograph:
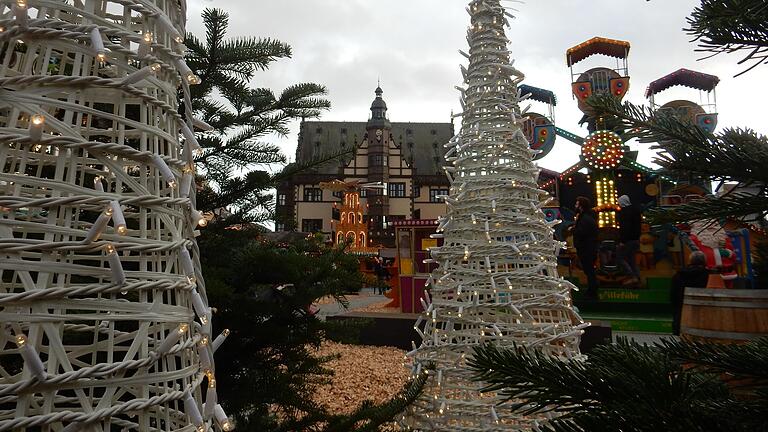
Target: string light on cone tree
point(496, 280)
point(104, 319)
point(603, 150)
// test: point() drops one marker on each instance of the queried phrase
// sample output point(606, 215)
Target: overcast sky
point(412, 46)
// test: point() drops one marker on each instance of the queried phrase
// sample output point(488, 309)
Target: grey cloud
point(412, 45)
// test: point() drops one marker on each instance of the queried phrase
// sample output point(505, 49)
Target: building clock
point(379, 132)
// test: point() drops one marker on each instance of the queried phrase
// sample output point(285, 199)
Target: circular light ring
point(603, 150)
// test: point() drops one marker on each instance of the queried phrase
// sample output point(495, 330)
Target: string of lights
point(496, 280)
point(105, 320)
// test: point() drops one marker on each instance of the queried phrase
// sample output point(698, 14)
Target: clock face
point(379, 132)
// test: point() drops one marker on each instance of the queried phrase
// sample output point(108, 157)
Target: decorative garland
point(497, 278)
point(105, 322)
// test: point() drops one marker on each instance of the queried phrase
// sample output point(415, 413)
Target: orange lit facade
point(352, 227)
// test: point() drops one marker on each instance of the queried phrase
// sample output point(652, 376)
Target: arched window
point(343, 217)
point(340, 238)
point(359, 218)
point(351, 238)
point(362, 239)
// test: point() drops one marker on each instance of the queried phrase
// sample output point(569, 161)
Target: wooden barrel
point(724, 315)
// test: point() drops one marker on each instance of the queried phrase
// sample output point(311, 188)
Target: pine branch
point(745, 362)
point(732, 155)
point(732, 26)
point(297, 168)
point(737, 205)
point(620, 387)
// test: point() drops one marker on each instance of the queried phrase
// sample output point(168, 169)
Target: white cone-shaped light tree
point(497, 278)
point(105, 324)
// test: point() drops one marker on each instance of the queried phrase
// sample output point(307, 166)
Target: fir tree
point(267, 370)
point(241, 116)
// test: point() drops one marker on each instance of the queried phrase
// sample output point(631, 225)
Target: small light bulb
point(21, 340)
point(147, 36)
point(37, 119)
point(193, 79)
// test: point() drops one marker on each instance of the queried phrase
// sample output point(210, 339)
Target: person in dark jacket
point(693, 276)
point(630, 220)
point(585, 242)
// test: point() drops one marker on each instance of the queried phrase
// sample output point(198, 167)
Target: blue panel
point(708, 122)
point(544, 139)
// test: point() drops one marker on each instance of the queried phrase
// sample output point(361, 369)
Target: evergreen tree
point(267, 370)
point(241, 116)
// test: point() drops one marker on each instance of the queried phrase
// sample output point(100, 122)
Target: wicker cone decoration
point(497, 278)
point(105, 325)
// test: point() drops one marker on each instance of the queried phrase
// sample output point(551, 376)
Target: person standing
point(695, 275)
point(630, 220)
point(585, 242)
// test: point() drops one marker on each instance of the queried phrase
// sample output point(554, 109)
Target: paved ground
point(643, 338)
point(368, 296)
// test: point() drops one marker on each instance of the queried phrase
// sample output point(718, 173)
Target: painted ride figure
point(585, 241)
point(630, 225)
point(693, 276)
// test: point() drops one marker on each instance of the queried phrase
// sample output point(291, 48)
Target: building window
point(281, 199)
point(434, 195)
point(343, 131)
point(279, 226)
point(319, 131)
point(363, 193)
point(397, 190)
point(313, 194)
point(311, 225)
point(338, 194)
point(416, 191)
point(378, 160)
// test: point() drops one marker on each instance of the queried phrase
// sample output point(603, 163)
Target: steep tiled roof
point(421, 143)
